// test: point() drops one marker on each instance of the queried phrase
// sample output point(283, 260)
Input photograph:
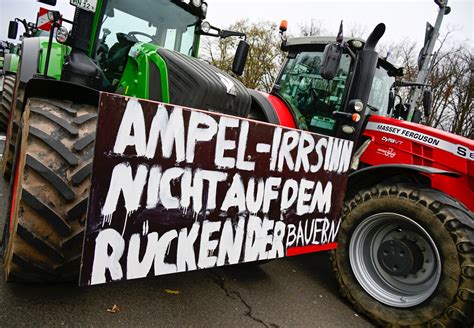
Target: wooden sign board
point(177, 189)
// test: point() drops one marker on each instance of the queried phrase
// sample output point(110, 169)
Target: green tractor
point(10, 68)
point(143, 49)
point(34, 47)
point(45, 57)
point(9, 63)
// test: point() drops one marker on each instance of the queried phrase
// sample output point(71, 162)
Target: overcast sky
point(405, 19)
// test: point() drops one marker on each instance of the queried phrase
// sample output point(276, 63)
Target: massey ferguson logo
point(409, 134)
point(466, 152)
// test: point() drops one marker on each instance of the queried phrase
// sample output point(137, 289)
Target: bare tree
point(453, 88)
point(265, 56)
point(357, 30)
point(450, 78)
point(403, 54)
point(316, 28)
point(312, 28)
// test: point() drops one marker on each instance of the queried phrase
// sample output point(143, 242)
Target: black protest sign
point(175, 189)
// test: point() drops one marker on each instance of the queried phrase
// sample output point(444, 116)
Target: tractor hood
point(196, 84)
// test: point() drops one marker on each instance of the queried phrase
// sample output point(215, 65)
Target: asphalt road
point(293, 292)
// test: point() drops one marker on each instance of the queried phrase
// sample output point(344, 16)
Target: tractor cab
point(312, 98)
point(148, 49)
point(104, 32)
point(168, 24)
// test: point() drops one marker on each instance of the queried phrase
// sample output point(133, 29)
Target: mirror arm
point(24, 22)
point(225, 34)
point(209, 34)
point(351, 53)
point(67, 20)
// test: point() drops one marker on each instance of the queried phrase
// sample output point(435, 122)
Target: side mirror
point(225, 34)
point(240, 58)
point(330, 63)
point(427, 102)
point(12, 30)
point(48, 2)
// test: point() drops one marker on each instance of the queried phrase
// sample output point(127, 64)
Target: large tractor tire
point(7, 100)
point(405, 257)
point(50, 191)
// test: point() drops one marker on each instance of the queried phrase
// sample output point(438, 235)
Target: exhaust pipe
point(374, 37)
point(361, 84)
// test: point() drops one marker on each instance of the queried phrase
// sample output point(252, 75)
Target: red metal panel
point(399, 142)
point(283, 112)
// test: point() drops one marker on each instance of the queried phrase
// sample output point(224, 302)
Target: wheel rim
point(394, 259)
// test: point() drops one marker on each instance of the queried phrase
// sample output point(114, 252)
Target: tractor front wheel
point(44, 231)
point(405, 257)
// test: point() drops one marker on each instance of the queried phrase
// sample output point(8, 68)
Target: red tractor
point(406, 241)
point(405, 244)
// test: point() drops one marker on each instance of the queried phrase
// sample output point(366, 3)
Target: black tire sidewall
point(364, 206)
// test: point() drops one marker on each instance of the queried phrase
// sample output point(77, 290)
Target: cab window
point(312, 98)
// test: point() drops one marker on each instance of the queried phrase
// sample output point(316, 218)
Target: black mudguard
point(52, 89)
point(260, 101)
point(371, 175)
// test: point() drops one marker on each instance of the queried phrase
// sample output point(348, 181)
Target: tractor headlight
point(348, 129)
point(205, 27)
point(204, 9)
point(357, 105)
point(62, 34)
point(357, 44)
point(197, 3)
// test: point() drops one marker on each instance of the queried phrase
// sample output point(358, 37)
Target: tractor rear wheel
point(50, 191)
point(405, 257)
point(7, 100)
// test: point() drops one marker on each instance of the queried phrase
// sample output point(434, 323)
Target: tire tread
point(49, 220)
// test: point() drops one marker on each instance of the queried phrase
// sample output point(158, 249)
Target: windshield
point(161, 22)
point(379, 94)
point(312, 98)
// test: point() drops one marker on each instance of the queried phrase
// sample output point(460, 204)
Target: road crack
point(235, 295)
